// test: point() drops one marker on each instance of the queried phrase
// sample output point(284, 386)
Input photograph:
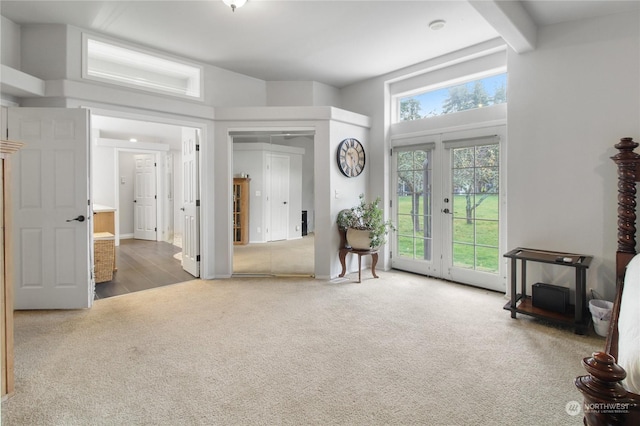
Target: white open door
point(145, 198)
point(190, 202)
point(51, 207)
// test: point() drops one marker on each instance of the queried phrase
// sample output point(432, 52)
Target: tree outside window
point(475, 94)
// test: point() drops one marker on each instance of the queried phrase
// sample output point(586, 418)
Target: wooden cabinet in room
point(6, 269)
point(241, 210)
point(104, 219)
point(104, 231)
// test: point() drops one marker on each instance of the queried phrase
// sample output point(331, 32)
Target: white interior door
point(145, 198)
point(51, 207)
point(278, 170)
point(190, 202)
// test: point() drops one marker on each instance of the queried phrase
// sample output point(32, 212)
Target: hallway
point(143, 265)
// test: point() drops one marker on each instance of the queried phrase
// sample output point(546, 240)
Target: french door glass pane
point(476, 206)
point(414, 204)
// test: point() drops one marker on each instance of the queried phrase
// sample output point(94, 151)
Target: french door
point(448, 207)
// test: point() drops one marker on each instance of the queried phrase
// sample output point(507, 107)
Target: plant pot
point(359, 239)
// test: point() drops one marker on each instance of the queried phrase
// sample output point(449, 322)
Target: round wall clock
point(351, 157)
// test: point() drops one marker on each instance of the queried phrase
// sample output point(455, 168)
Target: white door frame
point(165, 118)
point(442, 267)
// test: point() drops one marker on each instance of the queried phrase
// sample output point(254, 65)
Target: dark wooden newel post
point(627, 162)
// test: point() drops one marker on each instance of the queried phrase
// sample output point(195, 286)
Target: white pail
point(600, 314)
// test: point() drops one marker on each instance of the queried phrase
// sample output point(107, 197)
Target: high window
point(116, 64)
point(461, 97)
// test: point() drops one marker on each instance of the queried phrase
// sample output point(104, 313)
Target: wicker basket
point(104, 256)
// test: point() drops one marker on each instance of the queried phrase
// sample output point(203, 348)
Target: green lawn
point(483, 231)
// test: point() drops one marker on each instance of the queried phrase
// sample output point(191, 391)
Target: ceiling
point(333, 42)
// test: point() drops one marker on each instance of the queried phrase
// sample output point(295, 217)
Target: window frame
point(193, 72)
point(470, 78)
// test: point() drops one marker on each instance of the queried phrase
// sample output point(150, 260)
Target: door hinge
point(198, 258)
point(390, 255)
point(155, 229)
point(391, 152)
point(155, 196)
point(197, 203)
point(197, 147)
point(390, 204)
point(155, 164)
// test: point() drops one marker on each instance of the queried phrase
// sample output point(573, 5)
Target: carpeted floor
point(286, 257)
point(399, 350)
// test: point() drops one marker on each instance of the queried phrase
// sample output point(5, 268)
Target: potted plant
point(364, 225)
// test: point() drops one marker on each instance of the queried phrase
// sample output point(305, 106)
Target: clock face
point(351, 157)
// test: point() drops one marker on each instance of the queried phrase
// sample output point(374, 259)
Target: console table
point(343, 255)
point(577, 314)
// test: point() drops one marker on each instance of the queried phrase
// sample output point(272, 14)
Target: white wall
point(249, 159)
point(569, 102)
point(103, 164)
point(43, 51)
point(177, 193)
point(126, 172)
point(9, 43)
point(373, 98)
point(302, 93)
point(106, 187)
point(53, 52)
point(330, 125)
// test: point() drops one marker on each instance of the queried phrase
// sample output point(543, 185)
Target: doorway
point(144, 183)
point(448, 206)
point(276, 169)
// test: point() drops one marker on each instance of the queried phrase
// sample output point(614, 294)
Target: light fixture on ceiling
point(438, 24)
point(234, 4)
point(133, 140)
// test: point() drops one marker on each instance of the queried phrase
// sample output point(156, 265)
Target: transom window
point(470, 95)
point(124, 66)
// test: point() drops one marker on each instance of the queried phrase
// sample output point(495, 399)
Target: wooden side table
point(343, 255)
point(577, 314)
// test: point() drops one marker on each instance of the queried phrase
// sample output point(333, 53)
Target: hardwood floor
point(143, 265)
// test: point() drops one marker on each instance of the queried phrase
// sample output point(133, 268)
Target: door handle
point(447, 211)
point(284, 202)
point(182, 208)
point(80, 218)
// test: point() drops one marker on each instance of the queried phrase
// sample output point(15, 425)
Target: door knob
point(182, 208)
point(284, 202)
point(80, 218)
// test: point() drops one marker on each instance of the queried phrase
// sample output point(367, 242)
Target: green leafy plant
point(366, 216)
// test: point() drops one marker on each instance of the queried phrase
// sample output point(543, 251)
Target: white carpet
point(399, 350)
